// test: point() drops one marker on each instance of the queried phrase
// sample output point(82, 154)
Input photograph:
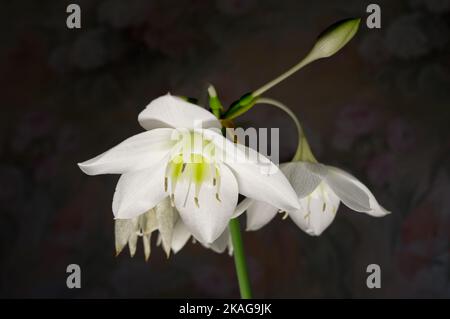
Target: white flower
point(173, 234)
point(320, 189)
point(198, 169)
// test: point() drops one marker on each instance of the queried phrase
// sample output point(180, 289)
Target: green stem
point(239, 259)
point(303, 152)
point(308, 59)
point(234, 226)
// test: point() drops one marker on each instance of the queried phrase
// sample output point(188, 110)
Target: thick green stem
point(239, 259)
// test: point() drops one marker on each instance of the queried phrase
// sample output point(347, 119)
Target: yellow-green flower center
point(194, 164)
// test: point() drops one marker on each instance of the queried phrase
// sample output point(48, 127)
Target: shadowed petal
point(353, 193)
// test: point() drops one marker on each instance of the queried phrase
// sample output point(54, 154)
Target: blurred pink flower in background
point(33, 125)
point(401, 136)
point(423, 250)
point(353, 121)
point(381, 169)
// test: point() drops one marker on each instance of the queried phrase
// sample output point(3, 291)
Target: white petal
point(230, 246)
point(221, 243)
point(259, 214)
point(148, 222)
point(137, 152)
point(172, 111)
point(180, 236)
point(132, 244)
point(123, 230)
point(139, 191)
point(353, 193)
point(165, 215)
point(318, 210)
point(303, 180)
point(146, 240)
point(260, 179)
point(242, 207)
point(208, 221)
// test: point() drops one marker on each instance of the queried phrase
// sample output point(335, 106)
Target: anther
point(217, 197)
point(324, 206)
point(196, 202)
point(165, 183)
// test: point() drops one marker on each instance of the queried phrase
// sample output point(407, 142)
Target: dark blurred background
point(379, 108)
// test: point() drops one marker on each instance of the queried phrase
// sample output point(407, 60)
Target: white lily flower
point(320, 190)
point(173, 234)
point(198, 169)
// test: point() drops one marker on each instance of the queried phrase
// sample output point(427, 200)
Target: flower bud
point(334, 38)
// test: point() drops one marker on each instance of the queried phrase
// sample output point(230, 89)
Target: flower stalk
point(303, 151)
point(239, 259)
point(234, 225)
point(333, 39)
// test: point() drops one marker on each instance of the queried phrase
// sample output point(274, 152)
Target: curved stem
point(303, 151)
point(239, 259)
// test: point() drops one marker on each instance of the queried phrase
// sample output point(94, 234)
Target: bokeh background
point(379, 108)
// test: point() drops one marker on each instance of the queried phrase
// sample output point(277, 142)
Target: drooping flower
point(198, 169)
point(320, 189)
point(172, 233)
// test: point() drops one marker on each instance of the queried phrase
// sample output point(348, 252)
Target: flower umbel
point(182, 177)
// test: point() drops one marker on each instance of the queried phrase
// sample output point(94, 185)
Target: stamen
point(183, 167)
point(216, 180)
point(324, 206)
point(285, 215)
point(165, 183)
point(196, 202)
point(189, 188)
point(172, 200)
point(308, 209)
point(218, 198)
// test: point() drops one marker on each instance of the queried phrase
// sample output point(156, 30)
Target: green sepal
point(192, 100)
point(241, 106)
